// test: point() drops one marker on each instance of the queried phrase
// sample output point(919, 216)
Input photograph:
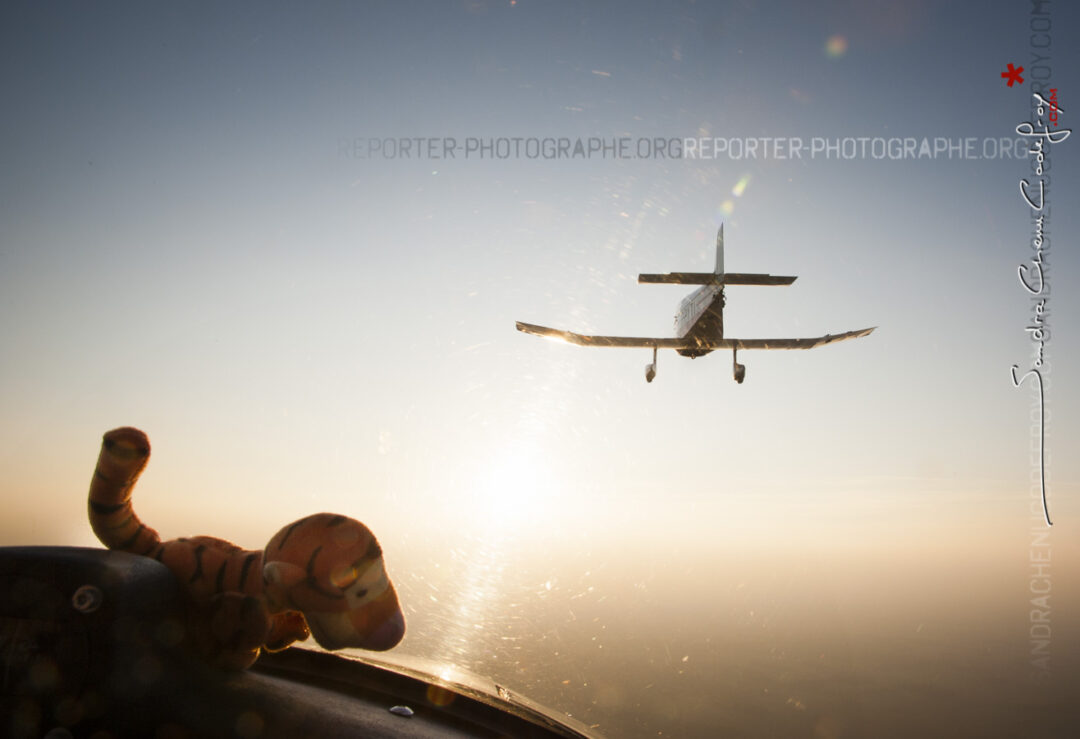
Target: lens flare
point(740, 186)
point(344, 576)
point(836, 46)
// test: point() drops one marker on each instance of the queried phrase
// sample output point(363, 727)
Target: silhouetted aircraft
point(699, 324)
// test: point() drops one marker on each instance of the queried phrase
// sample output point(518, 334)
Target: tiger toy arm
point(324, 571)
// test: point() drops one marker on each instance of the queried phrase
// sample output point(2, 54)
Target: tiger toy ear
point(280, 578)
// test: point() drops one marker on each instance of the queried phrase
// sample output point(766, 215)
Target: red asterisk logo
point(1013, 75)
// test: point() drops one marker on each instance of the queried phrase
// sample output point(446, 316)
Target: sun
point(512, 488)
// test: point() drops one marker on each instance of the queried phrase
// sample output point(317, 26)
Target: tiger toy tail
point(124, 454)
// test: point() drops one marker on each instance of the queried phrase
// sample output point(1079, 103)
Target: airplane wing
point(586, 340)
point(790, 343)
point(687, 343)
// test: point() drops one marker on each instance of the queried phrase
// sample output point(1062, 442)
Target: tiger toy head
point(330, 568)
point(322, 576)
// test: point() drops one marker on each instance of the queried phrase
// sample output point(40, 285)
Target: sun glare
point(512, 487)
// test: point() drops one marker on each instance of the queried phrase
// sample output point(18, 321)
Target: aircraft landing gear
point(738, 371)
point(650, 369)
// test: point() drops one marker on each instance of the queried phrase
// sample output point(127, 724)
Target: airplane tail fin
point(720, 251)
point(718, 276)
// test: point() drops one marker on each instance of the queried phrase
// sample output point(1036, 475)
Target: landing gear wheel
point(738, 371)
point(650, 369)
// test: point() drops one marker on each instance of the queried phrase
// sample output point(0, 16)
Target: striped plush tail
point(124, 454)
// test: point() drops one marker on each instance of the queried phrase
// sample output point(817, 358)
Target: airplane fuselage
point(701, 316)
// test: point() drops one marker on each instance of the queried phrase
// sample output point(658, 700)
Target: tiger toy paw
point(239, 627)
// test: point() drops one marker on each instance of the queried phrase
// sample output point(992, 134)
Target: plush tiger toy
point(322, 575)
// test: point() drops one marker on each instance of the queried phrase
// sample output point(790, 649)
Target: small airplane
point(699, 324)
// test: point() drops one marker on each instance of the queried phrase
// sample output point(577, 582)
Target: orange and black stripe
point(227, 582)
point(123, 457)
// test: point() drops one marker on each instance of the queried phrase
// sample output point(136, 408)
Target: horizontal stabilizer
point(709, 278)
point(687, 342)
point(746, 278)
point(682, 278)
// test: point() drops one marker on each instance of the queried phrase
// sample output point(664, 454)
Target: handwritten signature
point(1031, 274)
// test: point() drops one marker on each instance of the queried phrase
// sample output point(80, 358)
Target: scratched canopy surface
point(292, 245)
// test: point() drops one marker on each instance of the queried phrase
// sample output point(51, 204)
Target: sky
point(209, 230)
